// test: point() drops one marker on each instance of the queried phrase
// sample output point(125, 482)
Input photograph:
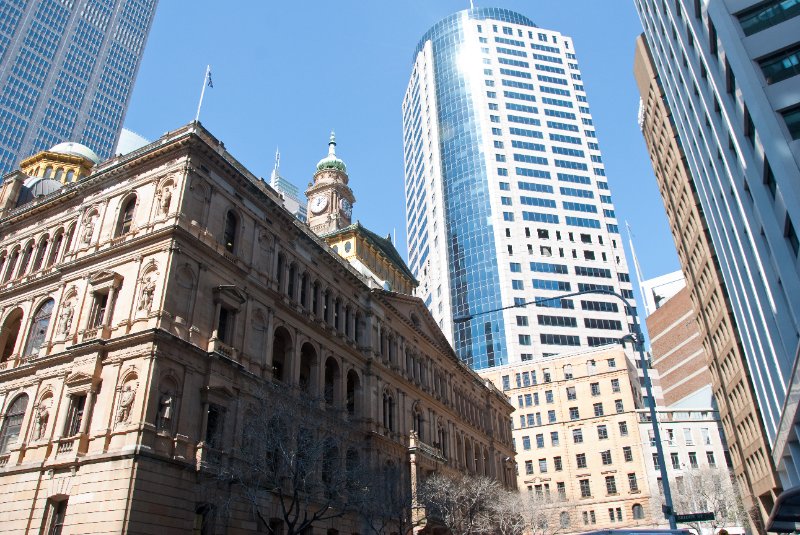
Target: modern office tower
point(66, 73)
point(729, 214)
point(506, 195)
point(288, 191)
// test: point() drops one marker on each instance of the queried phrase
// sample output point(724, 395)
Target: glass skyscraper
point(506, 195)
point(67, 68)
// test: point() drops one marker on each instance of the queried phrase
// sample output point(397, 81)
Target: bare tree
point(386, 504)
point(463, 504)
point(508, 513)
point(705, 490)
point(547, 514)
point(293, 455)
point(709, 490)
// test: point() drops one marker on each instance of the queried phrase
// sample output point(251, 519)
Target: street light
point(638, 345)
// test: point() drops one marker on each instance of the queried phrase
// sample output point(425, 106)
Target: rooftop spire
point(276, 171)
point(332, 144)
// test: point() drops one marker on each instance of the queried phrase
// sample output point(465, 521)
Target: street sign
point(694, 517)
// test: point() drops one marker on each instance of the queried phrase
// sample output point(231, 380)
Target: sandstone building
point(576, 432)
point(142, 304)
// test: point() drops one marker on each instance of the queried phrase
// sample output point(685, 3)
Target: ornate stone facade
point(172, 284)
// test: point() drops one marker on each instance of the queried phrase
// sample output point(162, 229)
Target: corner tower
point(330, 199)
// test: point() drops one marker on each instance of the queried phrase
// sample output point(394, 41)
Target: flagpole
point(202, 93)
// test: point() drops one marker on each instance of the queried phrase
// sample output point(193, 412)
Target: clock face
point(319, 203)
point(346, 207)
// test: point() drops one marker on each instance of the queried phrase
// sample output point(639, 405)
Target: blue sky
point(286, 73)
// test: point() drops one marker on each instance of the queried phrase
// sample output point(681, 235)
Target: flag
point(208, 78)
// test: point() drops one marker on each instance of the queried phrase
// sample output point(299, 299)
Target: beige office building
point(144, 302)
point(576, 433)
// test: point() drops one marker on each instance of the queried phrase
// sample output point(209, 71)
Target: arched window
point(126, 216)
point(70, 176)
point(40, 252)
point(281, 355)
point(55, 250)
point(231, 226)
point(26, 260)
point(290, 288)
point(12, 423)
point(12, 263)
point(39, 325)
point(388, 411)
point(332, 382)
point(418, 422)
point(308, 363)
point(59, 174)
point(9, 334)
point(353, 391)
point(48, 171)
point(638, 511)
point(564, 519)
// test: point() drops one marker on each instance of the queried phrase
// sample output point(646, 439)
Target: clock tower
point(330, 199)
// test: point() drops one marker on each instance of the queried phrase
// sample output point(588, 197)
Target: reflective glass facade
point(67, 68)
point(494, 115)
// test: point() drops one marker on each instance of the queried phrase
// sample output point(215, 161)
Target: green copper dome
point(331, 161)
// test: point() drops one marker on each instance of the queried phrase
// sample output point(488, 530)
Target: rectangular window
point(627, 454)
point(57, 512)
point(618, 406)
point(554, 438)
point(633, 484)
point(791, 117)
point(602, 432)
point(557, 464)
point(506, 382)
point(623, 429)
point(526, 443)
point(77, 405)
point(687, 437)
point(543, 466)
point(571, 393)
point(656, 465)
point(693, 459)
point(595, 387)
point(782, 65)
point(598, 409)
point(675, 459)
point(214, 425)
point(99, 310)
point(615, 385)
point(548, 395)
point(605, 457)
point(528, 467)
point(577, 436)
point(767, 14)
point(710, 458)
point(586, 490)
point(574, 414)
point(540, 440)
point(611, 485)
point(580, 460)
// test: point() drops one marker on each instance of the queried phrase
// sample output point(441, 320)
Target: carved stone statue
point(165, 408)
point(65, 319)
point(126, 398)
point(42, 417)
point(166, 200)
point(146, 297)
point(88, 230)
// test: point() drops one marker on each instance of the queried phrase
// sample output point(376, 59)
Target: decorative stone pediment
point(413, 311)
point(104, 279)
point(230, 295)
point(78, 378)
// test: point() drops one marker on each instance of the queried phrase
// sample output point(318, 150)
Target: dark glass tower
point(67, 68)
